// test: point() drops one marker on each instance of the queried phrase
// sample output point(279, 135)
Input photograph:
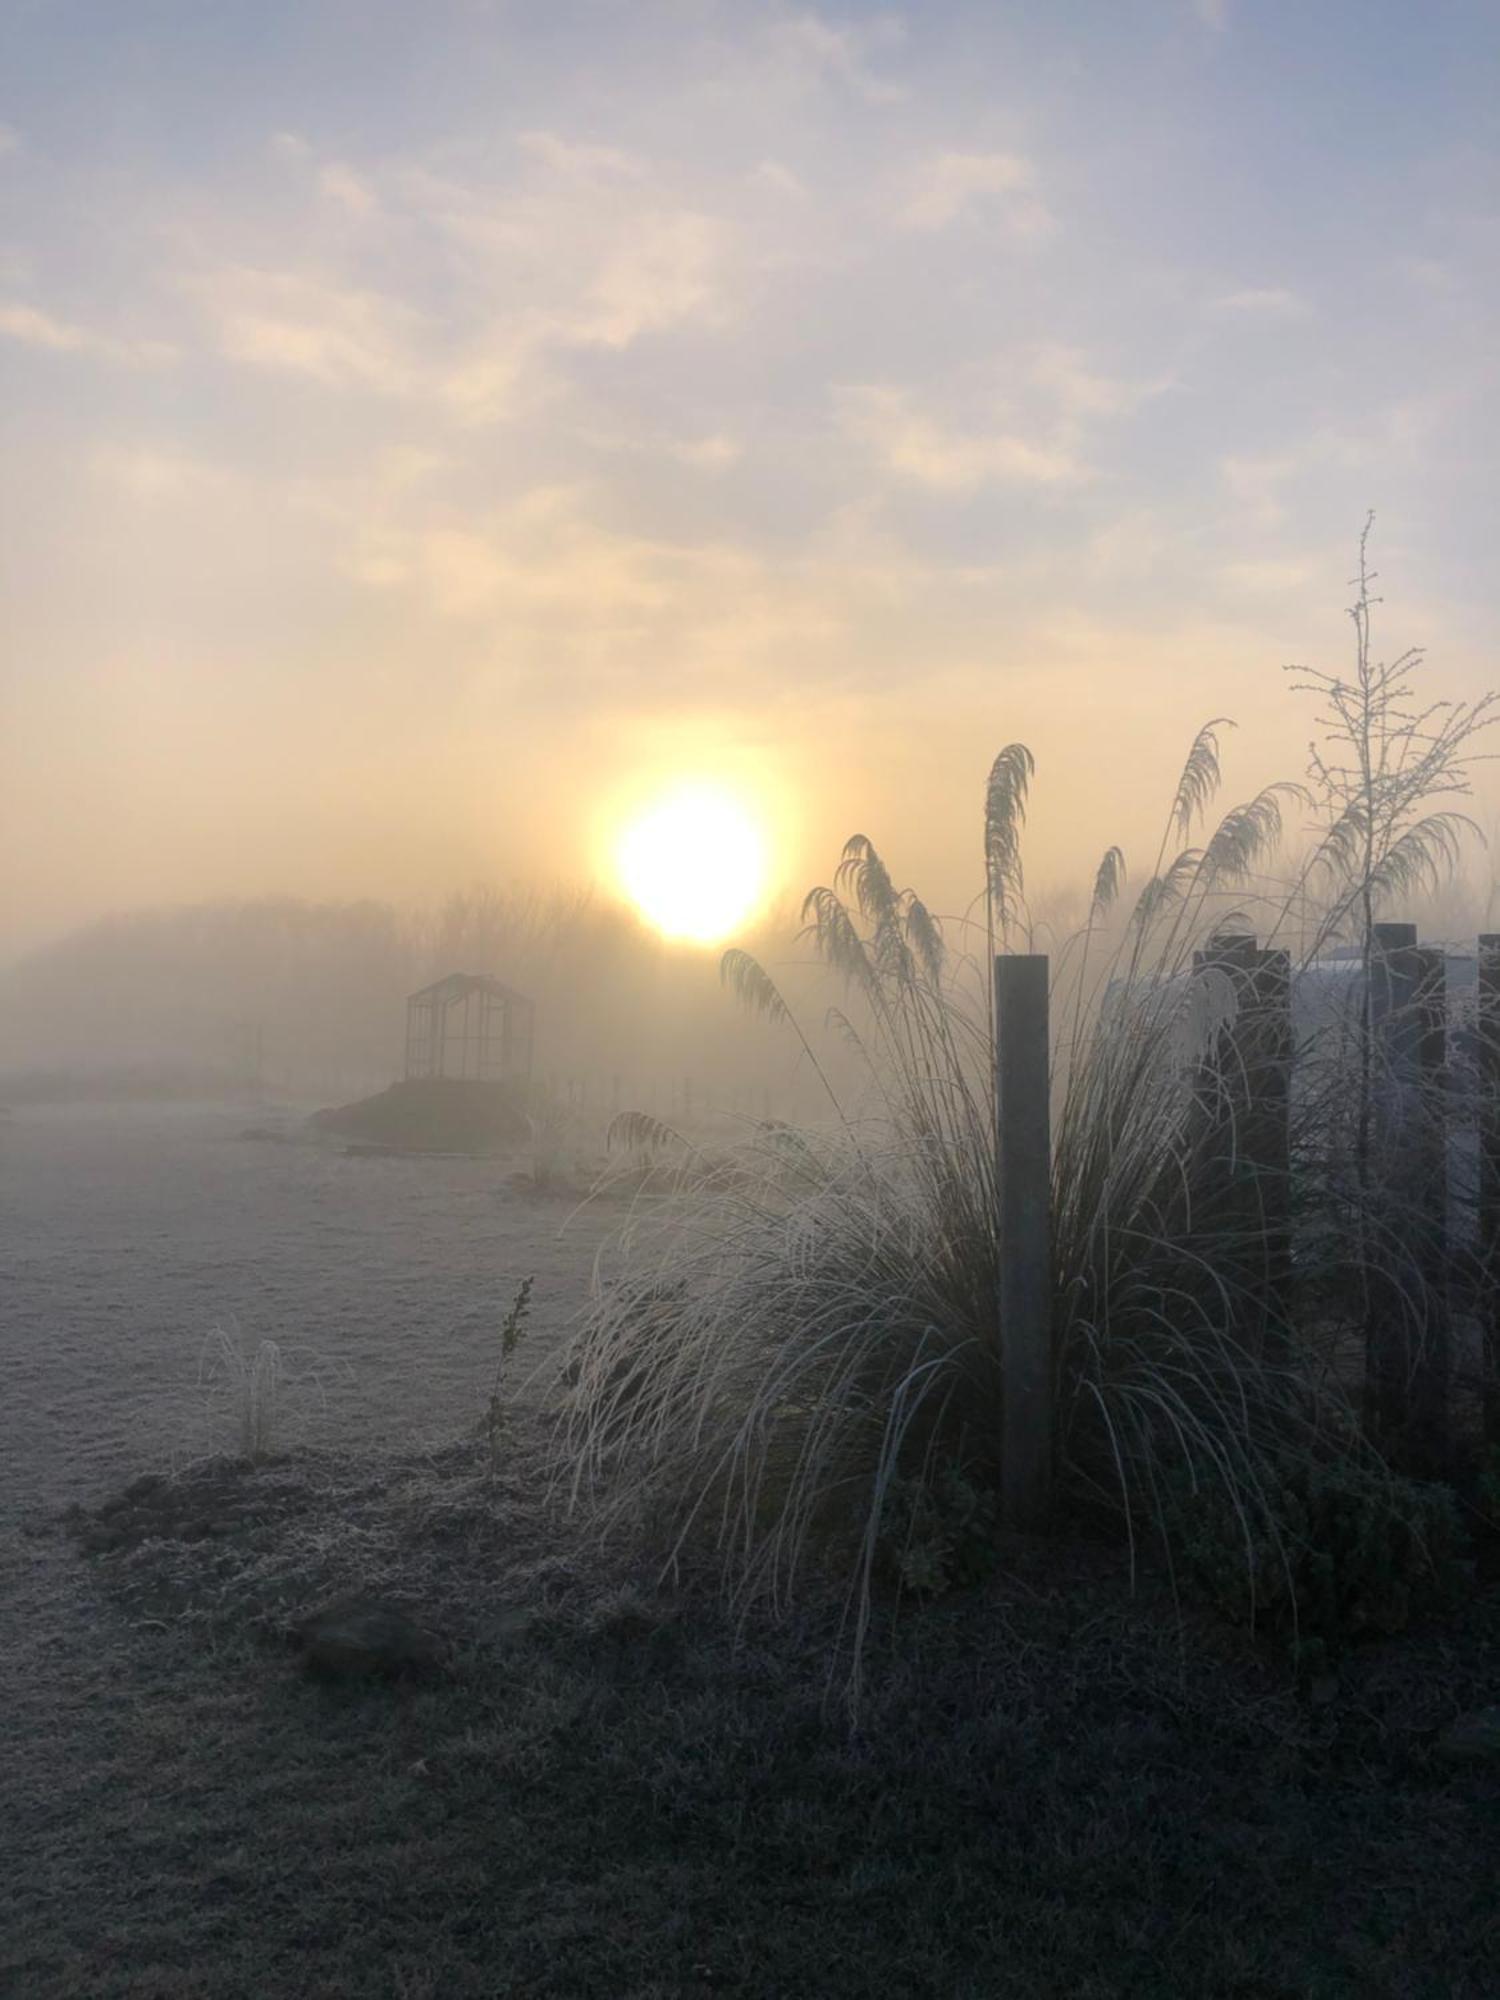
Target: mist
point(749, 999)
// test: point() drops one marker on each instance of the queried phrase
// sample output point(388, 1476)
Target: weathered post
point(1024, 1170)
point(1268, 1059)
point(1243, 1167)
point(1408, 1359)
point(1489, 1180)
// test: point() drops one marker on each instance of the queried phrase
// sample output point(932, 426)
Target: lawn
point(1055, 1785)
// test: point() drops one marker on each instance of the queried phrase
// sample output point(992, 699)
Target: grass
point(802, 1335)
point(254, 1396)
point(251, 1384)
point(1056, 1787)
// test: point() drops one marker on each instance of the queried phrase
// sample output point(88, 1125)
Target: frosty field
point(128, 1233)
point(1058, 1788)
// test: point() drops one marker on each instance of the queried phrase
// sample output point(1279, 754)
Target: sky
point(425, 431)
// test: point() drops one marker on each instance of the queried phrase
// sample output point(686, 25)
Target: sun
point(694, 862)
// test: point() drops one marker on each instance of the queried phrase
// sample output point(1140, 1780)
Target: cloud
point(715, 453)
point(954, 184)
point(1269, 578)
point(1264, 302)
point(290, 323)
point(35, 328)
point(1027, 423)
point(945, 459)
point(663, 271)
point(1213, 14)
point(773, 174)
point(580, 163)
point(150, 473)
point(10, 140)
point(580, 247)
point(1080, 391)
point(342, 186)
point(1256, 482)
point(821, 52)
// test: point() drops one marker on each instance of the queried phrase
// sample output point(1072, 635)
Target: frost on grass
point(800, 1354)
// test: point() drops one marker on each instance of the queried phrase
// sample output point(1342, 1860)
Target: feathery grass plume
point(758, 993)
point(752, 985)
point(828, 924)
point(1004, 817)
point(639, 1132)
point(1248, 834)
point(1200, 777)
point(925, 936)
point(1109, 879)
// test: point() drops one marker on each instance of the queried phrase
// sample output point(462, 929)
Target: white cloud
point(35, 328)
point(1270, 577)
point(1080, 391)
point(295, 324)
point(580, 163)
point(821, 51)
point(346, 189)
point(1256, 483)
point(586, 249)
point(942, 457)
point(773, 174)
point(953, 184)
point(661, 271)
point(715, 453)
point(1263, 302)
point(152, 472)
point(1212, 13)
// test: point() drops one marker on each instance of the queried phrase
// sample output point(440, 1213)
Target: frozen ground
point(127, 1233)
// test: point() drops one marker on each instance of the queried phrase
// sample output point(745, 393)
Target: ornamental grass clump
point(800, 1365)
point(802, 1362)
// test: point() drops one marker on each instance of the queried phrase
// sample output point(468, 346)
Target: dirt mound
point(432, 1115)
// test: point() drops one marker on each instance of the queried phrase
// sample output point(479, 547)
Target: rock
point(1473, 1739)
point(359, 1637)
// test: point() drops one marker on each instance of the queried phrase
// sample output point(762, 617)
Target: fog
point(305, 1001)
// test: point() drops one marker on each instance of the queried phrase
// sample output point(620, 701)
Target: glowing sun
point(693, 862)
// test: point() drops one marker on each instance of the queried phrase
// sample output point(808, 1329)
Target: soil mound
point(432, 1115)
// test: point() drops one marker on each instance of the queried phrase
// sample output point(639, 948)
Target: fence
point(1241, 1179)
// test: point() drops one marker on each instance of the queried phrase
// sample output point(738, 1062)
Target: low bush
point(1326, 1555)
point(940, 1533)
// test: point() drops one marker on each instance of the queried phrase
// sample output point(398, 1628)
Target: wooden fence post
point(1024, 1171)
point(1489, 1180)
point(1408, 1360)
point(1269, 1048)
point(1244, 1158)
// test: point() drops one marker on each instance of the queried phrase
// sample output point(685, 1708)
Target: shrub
point(1330, 1554)
point(940, 1532)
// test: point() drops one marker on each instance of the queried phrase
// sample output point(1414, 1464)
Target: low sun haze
point(432, 435)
